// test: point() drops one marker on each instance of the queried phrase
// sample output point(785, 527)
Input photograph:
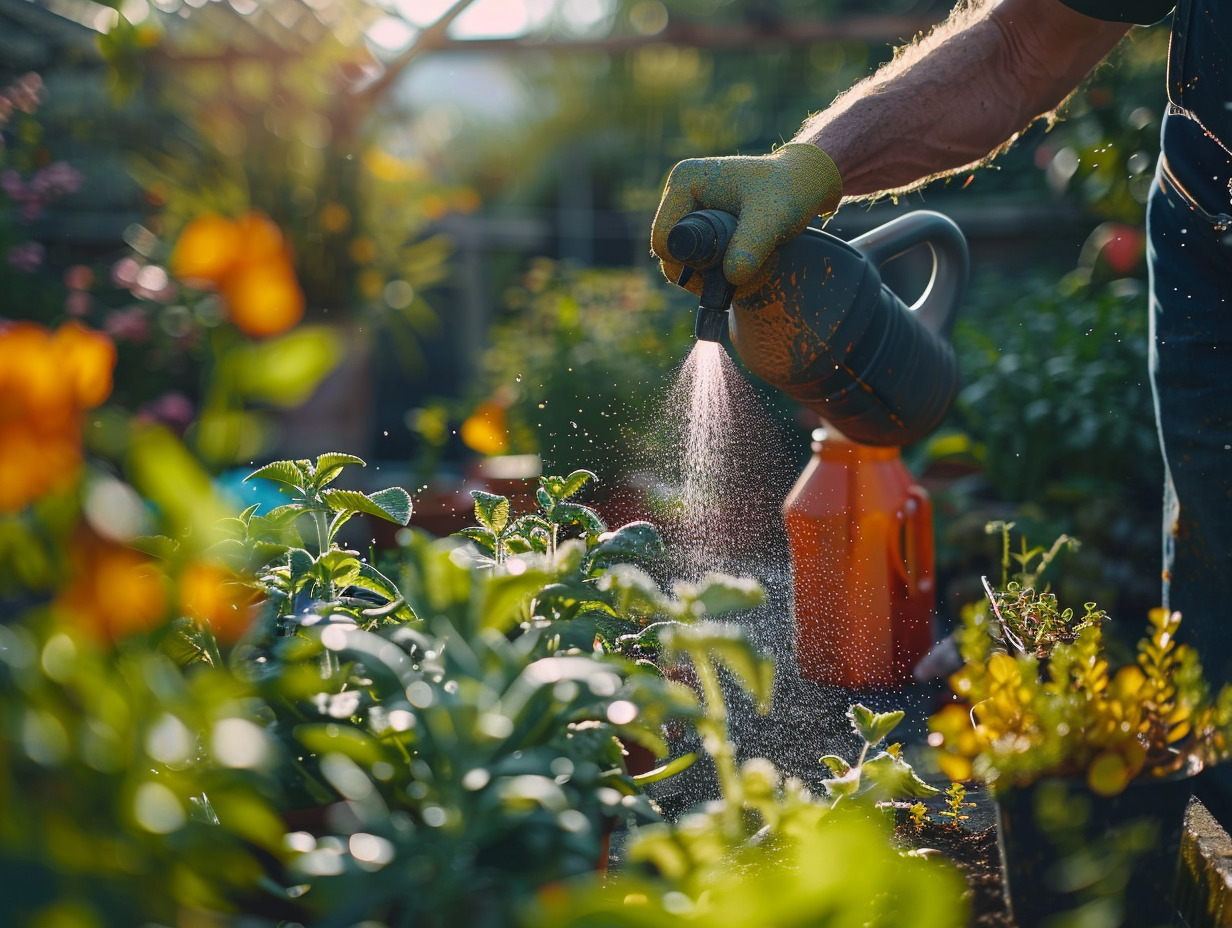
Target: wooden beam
point(748, 36)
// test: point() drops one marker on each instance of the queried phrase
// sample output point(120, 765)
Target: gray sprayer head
point(699, 241)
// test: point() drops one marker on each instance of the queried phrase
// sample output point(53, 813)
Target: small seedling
point(882, 778)
point(500, 534)
point(955, 803)
point(1028, 619)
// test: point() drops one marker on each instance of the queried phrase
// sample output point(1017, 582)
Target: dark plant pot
point(1062, 846)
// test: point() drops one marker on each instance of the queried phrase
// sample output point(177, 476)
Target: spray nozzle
point(699, 241)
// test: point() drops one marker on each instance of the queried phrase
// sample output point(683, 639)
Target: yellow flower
point(485, 430)
point(47, 381)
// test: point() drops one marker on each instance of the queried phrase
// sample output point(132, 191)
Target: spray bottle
point(822, 327)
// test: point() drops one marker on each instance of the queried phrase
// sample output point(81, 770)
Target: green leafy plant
point(129, 788)
point(499, 533)
point(955, 803)
point(318, 578)
point(767, 853)
point(600, 590)
point(459, 762)
point(1027, 618)
point(1077, 718)
point(884, 777)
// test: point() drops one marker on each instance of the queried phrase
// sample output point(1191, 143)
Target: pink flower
point(172, 409)
point(78, 277)
point(10, 183)
point(127, 324)
point(78, 303)
point(57, 179)
point(24, 93)
point(26, 257)
point(124, 272)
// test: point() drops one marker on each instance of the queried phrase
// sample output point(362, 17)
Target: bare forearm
point(959, 95)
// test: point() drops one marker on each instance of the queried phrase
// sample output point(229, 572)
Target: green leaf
point(301, 564)
point(634, 541)
point(872, 726)
point(843, 786)
point(517, 544)
point(286, 472)
point(285, 371)
point(174, 482)
point(342, 568)
point(506, 598)
point(483, 537)
point(393, 504)
point(837, 765)
point(492, 511)
point(243, 812)
point(561, 488)
point(340, 519)
point(729, 644)
point(545, 499)
point(384, 663)
point(372, 579)
point(670, 769)
point(576, 480)
point(533, 527)
point(889, 777)
point(577, 514)
point(720, 593)
point(332, 459)
point(159, 546)
point(397, 609)
point(330, 465)
point(634, 592)
point(336, 738)
point(281, 516)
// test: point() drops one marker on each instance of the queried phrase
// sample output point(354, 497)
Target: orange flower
point(47, 381)
point(206, 251)
point(217, 596)
point(264, 298)
point(248, 262)
point(114, 591)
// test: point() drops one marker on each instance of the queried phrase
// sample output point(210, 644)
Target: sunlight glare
point(584, 16)
point(483, 19)
point(390, 33)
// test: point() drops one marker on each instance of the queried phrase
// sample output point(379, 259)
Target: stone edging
point(1204, 893)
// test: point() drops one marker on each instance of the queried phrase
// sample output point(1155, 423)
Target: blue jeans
point(1190, 259)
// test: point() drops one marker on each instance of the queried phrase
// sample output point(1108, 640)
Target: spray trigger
point(685, 276)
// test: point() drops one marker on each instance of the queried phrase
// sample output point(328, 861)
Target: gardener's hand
point(774, 197)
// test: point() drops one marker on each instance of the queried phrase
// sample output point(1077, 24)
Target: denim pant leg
point(1191, 374)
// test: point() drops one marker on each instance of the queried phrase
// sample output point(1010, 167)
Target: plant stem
point(715, 731)
point(321, 519)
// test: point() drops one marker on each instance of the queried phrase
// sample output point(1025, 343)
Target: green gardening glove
point(774, 197)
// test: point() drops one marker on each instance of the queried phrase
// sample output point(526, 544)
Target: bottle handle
point(911, 545)
point(937, 307)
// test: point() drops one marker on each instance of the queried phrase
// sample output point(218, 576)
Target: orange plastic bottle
point(860, 530)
